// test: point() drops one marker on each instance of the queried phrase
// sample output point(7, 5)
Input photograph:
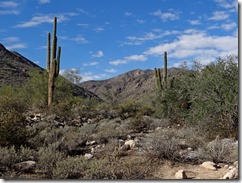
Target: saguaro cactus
point(53, 62)
point(161, 84)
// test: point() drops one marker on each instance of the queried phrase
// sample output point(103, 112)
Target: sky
point(105, 38)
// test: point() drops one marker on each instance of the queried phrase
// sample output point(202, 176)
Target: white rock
point(131, 143)
point(208, 165)
point(25, 166)
point(181, 175)
point(189, 149)
point(236, 164)
point(228, 175)
point(226, 166)
point(88, 156)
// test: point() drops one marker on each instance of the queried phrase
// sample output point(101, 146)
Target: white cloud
point(110, 70)
point(86, 76)
point(8, 4)
point(140, 21)
point(99, 29)
point(16, 46)
point(128, 59)
point(9, 8)
point(133, 40)
point(229, 26)
point(118, 62)
point(127, 14)
point(219, 15)
point(90, 64)
point(99, 54)
point(13, 43)
point(10, 39)
point(40, 19)
point(231, 5)
point(194, 22)
point(184, 47)
point(136, 58)
point(225, 26)
point(44, 1)
point(79, 39)
point(166, 15)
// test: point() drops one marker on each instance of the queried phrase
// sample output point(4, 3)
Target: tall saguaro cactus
point(53, 62)
point(161, 83)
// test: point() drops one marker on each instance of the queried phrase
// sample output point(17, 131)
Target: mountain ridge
point(15, 68)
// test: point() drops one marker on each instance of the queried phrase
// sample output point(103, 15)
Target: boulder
point(181, 175)
point(25, 166)
point(208, 165)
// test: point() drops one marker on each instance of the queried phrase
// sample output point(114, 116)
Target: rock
point(229, 175)
point(88, 156)
point(181, 175)
point(90, 143)
point(236, 164)
point(121, 142)
point(25, 166)
point(131, 143)
point(189, 149)
point(125, 147)
point(226, 166)
point(208, 165)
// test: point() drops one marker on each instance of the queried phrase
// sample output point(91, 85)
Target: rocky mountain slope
point(136, 84)
point(15, 68)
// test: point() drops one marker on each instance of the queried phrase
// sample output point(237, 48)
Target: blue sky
point(104, 38)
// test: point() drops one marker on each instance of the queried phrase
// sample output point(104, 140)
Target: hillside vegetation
point(120, 139)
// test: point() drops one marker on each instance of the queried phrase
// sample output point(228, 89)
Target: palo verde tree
point(53, 62)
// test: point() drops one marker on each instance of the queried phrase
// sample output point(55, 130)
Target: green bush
point(48, 157)
point(8, 156)
point(13, 129)
point(70, 168)
point(206, 97)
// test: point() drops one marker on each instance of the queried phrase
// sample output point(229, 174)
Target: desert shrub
point(36, 88)
point(192, 136)
point(220, 150)
point(139, 124)
point(215, 99)
point(12, 122)
point(162, 145)
point(48, 157)
point(25, 153)
point(125, 168)
point(8, 156)
point(131, 108)
point(70, 168)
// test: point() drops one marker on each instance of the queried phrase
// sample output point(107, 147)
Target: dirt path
point(168, 170)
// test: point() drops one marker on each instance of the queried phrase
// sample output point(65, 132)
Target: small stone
point(131, 143)
point(208, 165)
point(226, 166)
point(181, 175)
point(25, 166)
point(88, 156)
point(228, 175)
point(189, 149)
point(236, 164)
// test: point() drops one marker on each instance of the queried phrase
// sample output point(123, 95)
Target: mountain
point(15, 68)
point(136, 84)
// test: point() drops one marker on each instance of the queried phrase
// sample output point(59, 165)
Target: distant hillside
point(15, 68)
point(135, 84)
